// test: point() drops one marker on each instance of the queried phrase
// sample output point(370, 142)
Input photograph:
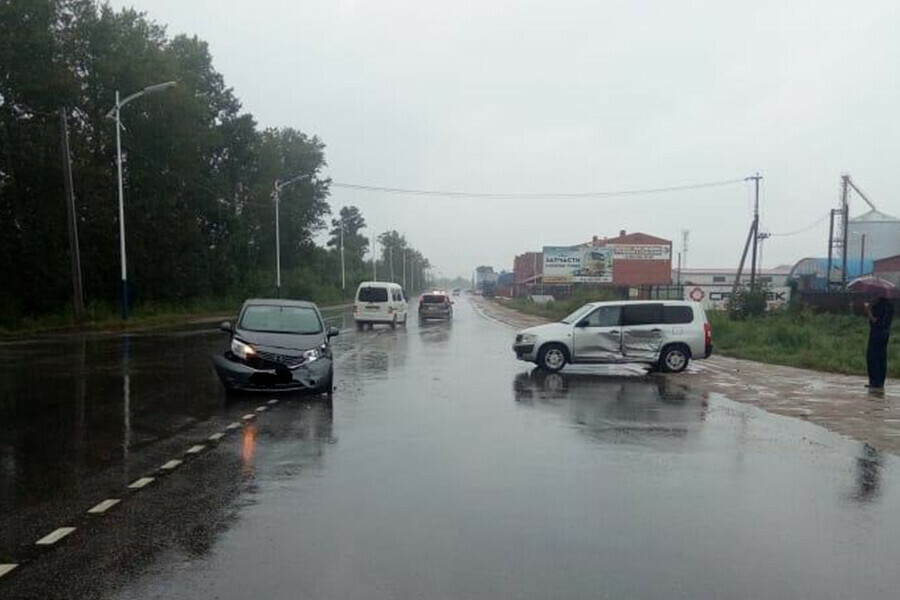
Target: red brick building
point(888, 269)
point(638, 258)
point(527, 266)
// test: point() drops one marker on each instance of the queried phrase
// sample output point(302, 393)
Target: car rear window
point(372, 294)
point(281, 319)
point(434, 299)
point(674, 315)
point(641, 314)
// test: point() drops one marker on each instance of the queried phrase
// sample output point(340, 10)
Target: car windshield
point(281, 319)
point(572, 318)
point(372, 294)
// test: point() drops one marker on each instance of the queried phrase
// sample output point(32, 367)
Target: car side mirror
point(581, 324)
point(225, 326)
point(332, 332)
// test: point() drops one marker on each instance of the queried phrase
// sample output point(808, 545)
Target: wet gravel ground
point(441, 468)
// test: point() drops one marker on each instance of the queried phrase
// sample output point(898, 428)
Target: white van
point(665, 335)
point(380, 302)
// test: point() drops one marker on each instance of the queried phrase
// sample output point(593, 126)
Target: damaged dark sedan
point(277, 345)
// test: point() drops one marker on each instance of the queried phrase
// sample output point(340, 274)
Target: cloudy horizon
point(547, 97)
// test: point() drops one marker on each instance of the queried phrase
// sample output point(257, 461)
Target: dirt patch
point(840, 403)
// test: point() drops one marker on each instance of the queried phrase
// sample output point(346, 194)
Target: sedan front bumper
point(237, 375)
point(524, 351)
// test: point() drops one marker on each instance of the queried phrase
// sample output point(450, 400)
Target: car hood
point(548, 330)
point(280, 341)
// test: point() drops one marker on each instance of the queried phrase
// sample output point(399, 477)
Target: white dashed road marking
point(249, 417)
point(196, 449)
point(6, 568)
point(172, 464)
point(273, 401)
point(139, 483)
point(103, 506)
point(216, 437)
point(55, 536)
point(233, 426)
point(262, 409)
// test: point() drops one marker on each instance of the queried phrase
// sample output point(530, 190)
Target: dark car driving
point(277, 345)
point(435, 305)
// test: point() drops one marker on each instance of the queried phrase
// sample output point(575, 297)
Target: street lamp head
point(159, 87)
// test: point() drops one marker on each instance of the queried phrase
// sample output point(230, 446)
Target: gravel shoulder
point(840, 403)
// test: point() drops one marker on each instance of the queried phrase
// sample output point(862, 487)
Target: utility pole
point(685, 235)
point(862, 256)
point(343, 273)
point(755, 228)
point(391, 258)
point(74, 252)
point(678, 279)
point(404, 268)
point(845, 210)
point(374, 268)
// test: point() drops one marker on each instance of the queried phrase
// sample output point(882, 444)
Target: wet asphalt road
point(442, 468)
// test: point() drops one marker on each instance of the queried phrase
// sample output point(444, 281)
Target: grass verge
point(102, 318)
point(823, 342)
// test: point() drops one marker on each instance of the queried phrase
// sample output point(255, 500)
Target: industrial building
point(888, 269)
point(872, 236)
point(628, 260)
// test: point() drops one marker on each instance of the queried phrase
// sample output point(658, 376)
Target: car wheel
point(394, 323)
point(328, 387)
point(360, 325)
point(674, 359)
point(553, 357)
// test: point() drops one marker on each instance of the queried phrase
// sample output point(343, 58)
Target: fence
point(563, 291)
point(838, 302)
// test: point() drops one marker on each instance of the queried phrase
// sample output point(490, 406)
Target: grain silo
point(882, 236)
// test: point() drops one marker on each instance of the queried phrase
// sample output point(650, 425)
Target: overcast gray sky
point(571, 96)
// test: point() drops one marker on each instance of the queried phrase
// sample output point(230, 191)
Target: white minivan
point(664, 334)
point(380, 302)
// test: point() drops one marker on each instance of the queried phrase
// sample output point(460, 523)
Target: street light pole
point(116, 112)
point(343, 274)
point(276, 199)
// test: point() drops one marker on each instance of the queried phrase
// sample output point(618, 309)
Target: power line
point(802, 230)
point(523, 195)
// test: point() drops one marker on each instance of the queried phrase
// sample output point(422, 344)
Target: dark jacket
point(882, 315)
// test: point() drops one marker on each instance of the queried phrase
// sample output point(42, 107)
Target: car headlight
point(242, 350)
point(313, 354)
point(526, 338)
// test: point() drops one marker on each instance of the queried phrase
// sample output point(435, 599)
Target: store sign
point(716, 296)
point(641, 251)
point(567, 264)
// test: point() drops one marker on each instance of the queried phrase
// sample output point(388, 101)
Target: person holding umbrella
point(880, 314)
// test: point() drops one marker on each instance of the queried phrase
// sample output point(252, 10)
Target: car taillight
point(355, 310)
point(707, 333)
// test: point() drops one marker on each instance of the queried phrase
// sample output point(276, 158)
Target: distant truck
point(488, 289)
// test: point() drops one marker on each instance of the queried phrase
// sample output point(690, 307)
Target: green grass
point(823, 342)
point(106, 318)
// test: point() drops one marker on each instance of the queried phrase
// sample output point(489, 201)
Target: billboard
point(641, 251)
point(567, 264)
